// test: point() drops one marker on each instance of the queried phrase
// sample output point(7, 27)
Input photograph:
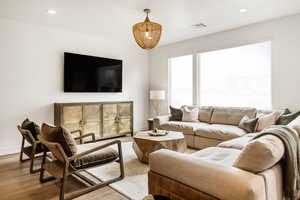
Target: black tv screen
point(91, 74)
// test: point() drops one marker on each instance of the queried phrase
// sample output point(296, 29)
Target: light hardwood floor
point(17, 184)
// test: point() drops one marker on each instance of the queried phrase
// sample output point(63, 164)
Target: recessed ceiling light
point(243, 10)
point(51, 12)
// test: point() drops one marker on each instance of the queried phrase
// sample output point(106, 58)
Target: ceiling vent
point(200, 25)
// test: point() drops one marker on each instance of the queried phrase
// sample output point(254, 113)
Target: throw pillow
point(266, 120)
point(248, 124)
point(190, 115)
point(32, 127)
point(285, 119)
point(176, 114)
point(62, 136)
point(295, 124)
point(260, 154)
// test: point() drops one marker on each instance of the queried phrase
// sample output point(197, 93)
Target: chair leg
point(22, 152)
point(121, 162)
point(32, 157)
point(42, 167)
point(31, 165)
point(42, 170)
point(63, 185)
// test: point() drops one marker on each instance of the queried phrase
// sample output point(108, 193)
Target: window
point(181, 81)
point(236, 77)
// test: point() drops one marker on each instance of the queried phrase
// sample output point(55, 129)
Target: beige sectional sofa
point(215, 125)
point(231, 165)
point(219, 172)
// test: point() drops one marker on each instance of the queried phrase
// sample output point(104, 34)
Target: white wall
point(285, 36)
point(31, 75)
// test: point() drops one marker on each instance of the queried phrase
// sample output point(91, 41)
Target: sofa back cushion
point(231, 115)
point(285, 119)
point(190, 114)
point(176, 114)
point(205, 113)
point(248, 124)
point(260, 154)
point(266, 120)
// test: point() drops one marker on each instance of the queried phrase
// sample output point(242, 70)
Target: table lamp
point(156, 96)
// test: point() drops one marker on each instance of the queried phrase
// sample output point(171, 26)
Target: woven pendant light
point(147, 34)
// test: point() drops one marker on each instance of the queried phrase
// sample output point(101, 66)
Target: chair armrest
point(221, 181)
point(118, 142)
point(77, 131)
point(86, 135)
point(159, 120)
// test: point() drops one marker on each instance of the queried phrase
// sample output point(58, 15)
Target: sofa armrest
point(157, 121)
point(220, 181)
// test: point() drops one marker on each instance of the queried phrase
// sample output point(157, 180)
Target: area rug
point(135, 184)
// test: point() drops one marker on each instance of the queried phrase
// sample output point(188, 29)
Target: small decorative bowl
point(158, 133)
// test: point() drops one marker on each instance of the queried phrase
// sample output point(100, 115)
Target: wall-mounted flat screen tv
point(91, 74)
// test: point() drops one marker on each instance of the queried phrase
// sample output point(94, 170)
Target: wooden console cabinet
point(105, 119)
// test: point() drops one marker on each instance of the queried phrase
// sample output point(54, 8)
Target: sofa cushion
point(238, 143)
point(205, 113)
point(185, 127)
point(210, 177)
point(220, 155)
point(248, 124)
point(190, 114)
point(204, 142)
point(231, 115)
point(266, 120)
point(260, 154)
point(176, 114)
point(220, 132)
point(96, 158)
point(287, 118)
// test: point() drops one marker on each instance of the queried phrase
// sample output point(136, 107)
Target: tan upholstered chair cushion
point(295, 124)
point(190, 114)
point(186, 127)
point(231, 115)
point(238, 143)
point(260, 154)
point(96, 158)
point(205, 113)
point(266, 120)
point(220, 132)
point(62, 136)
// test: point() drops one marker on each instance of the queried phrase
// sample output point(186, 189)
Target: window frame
point(197, 70)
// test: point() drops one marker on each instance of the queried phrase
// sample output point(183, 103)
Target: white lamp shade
point(157, 94)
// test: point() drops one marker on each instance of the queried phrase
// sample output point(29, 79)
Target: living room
point(192, 99)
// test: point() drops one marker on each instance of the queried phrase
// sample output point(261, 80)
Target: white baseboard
point(8, 150)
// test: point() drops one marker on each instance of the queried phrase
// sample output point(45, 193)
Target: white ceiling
point(116, 17)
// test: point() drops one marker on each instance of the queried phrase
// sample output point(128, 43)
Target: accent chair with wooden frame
point(91, 155)
point(34, 148)
point(31, 150)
